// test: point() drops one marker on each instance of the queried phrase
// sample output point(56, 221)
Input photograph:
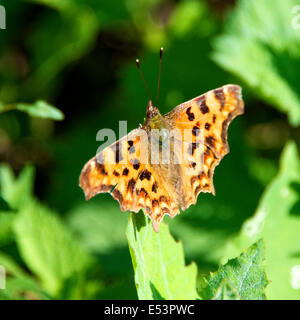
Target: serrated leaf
point(277, 220)
point(158, 262)
point(47, 247)
point(263, 29)
point(226, 292)
point(241, 278)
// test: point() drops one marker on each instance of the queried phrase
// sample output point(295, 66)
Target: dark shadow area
point(155, 293)
point(295, 209)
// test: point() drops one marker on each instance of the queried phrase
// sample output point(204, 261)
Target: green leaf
point(23, 288)
point(100, 228)
point(158, 262)
point(224, 291)
point(47, 246)
point(263, 29)
point(277, 221)
point(6, 223)
point(11, 266)
point(40, 109)
point(240, 278)
point(16, 191)
point(19, 284)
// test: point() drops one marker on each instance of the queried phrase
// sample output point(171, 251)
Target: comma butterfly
point(126, 168)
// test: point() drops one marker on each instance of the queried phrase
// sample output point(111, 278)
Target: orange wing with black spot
point(123, 170)
point(203, 122)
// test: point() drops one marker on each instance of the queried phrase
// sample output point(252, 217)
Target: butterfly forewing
point(123, 169)
point(203, 122)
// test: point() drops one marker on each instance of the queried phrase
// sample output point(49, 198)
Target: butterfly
point(126, 168)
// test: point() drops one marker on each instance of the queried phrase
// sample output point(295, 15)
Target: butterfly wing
point(203, 122)
point(123, 170)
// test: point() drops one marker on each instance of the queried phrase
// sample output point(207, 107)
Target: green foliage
point(16, 191)
point(47, 247)
point(261, 47)
point(45, 244)
point(241, 278)
point(158, 261)
point(39, 109)
point(277, 221)
point(99, 232)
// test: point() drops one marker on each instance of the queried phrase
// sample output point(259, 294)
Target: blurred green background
point(67, 69)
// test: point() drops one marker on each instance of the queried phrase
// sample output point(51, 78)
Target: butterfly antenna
point(139, 68)
point(160, 61)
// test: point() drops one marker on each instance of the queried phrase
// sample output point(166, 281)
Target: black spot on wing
point(163, 199)
point(117, 150)
point(210, 141)
point(131, 148)
point(145, 175)
point(115, 173)
point(202, 105)
point(190, 114)
point(196, 131)
point(219, 94)
point(193, 165)
point(100, 168)
point(207, 126)
point(192, 147)
point(141, 192)
point(135, 163)
point(125, 172)
point(155, 203)
point(131, 185)
point(154, 187)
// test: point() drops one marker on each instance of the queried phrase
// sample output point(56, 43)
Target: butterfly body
point(162, 166)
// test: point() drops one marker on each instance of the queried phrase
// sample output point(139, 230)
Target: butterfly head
point(154, 120)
